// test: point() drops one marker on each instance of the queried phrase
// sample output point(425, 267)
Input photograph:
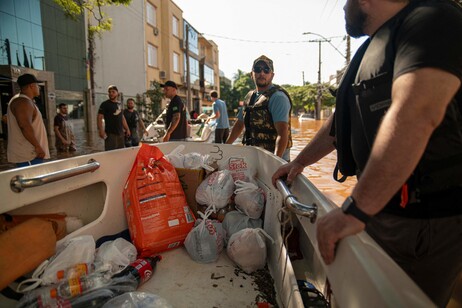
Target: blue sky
point(245, 29)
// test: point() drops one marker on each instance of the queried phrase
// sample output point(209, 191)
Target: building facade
point(37, 38)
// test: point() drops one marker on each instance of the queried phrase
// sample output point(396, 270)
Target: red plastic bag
point(157, 213)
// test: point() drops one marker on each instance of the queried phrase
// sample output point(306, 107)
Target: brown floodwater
point(319, 173)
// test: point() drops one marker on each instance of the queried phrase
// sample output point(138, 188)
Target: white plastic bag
point(247, 248)
point(240, 169)
point(137, 300)
point(197, 161)
point(249, 199)
point(77, 250)
point(116, 255)
point(175, 157)
point(205, 241)
point(215, 190)
point(235, 221)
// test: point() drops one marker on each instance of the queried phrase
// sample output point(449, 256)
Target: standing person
point(397, 127)
point(175, 124)
point(27, 136)
point(266, 113)
point(220, 114)
point(133, 120)
point(65, 140)
point(115, 126)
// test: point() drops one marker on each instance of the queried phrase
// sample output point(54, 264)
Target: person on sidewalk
point(397, 127)
point(65, 140)
point(265, 114)
point(220, 115)
point(27, 136)
point(133, 120)
point(175, 124)
point(115, 127)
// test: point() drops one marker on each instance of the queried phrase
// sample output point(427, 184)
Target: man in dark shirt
point(175, 125)
point(133, 120)
point(115, 127)
point(65, 140)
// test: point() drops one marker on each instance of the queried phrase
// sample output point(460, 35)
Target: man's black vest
point(371, 77)
point(259, 126)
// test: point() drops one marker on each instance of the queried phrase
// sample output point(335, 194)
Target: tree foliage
point(153, 102)
point(73, 9)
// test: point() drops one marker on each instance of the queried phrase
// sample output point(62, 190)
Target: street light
point(322, 39)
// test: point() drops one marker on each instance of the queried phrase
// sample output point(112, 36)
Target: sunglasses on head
point(259, 69)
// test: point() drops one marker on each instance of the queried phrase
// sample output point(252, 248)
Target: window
point(152, 55)
point(176, 62)
point(151, 14)
point(175, 23)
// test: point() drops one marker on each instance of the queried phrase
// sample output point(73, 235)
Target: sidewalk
point(86, 143)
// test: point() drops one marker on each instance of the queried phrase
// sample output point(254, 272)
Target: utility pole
point(303, 78)
point(348, 50)
point(318, 104)
point(322, 39)
point(188, 76)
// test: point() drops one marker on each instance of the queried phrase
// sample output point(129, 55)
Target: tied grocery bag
point(158, 216)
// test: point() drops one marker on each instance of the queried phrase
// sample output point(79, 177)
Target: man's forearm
point(173, 125)
point(321, 145)
point(235, 132)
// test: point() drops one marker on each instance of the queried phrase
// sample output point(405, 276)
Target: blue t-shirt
point(220, 106)
point(279, 107)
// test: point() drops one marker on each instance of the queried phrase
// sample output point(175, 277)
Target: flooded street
point(302, 132)
point(321, 172)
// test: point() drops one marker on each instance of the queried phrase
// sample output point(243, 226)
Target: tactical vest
point(440, 167)
point(259, 126)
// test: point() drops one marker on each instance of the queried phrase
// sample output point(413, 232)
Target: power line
point(254, 41)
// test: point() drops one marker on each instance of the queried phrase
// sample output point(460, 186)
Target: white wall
point(120, 58)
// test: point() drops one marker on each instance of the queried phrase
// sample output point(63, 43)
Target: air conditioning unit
point(155, 30)
point(162, 74)
point(182, 45)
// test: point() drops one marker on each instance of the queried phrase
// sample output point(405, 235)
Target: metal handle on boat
point(310, 211)
point(19, 183)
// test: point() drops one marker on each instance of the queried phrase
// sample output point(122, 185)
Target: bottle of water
point(80, 269)
point(58, 294)
point(92, 289)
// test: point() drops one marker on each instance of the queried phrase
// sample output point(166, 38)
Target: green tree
point(151, 105)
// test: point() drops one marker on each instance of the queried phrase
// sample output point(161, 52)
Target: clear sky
point(245, 29)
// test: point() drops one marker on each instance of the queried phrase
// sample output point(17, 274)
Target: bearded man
point(265, 114)
point(397, 127)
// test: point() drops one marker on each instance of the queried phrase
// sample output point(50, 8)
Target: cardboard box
point(190, 179)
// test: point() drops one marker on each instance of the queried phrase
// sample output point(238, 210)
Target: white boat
point(90, 187)
point(305, 117)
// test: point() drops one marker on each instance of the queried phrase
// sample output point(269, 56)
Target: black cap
point(26, 79)
point(169, 83)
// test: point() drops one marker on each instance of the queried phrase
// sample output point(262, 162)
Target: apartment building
point(149, 42)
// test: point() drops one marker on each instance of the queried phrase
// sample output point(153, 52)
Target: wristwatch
point(349, 207)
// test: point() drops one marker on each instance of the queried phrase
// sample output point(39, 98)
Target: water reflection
point(321, 172)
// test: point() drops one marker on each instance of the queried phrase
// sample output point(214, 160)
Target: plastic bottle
point(80, 269)
point(140, 270)
point(67, 289)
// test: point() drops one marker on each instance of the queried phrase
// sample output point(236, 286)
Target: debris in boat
point(264, 285)
point(216, 277)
